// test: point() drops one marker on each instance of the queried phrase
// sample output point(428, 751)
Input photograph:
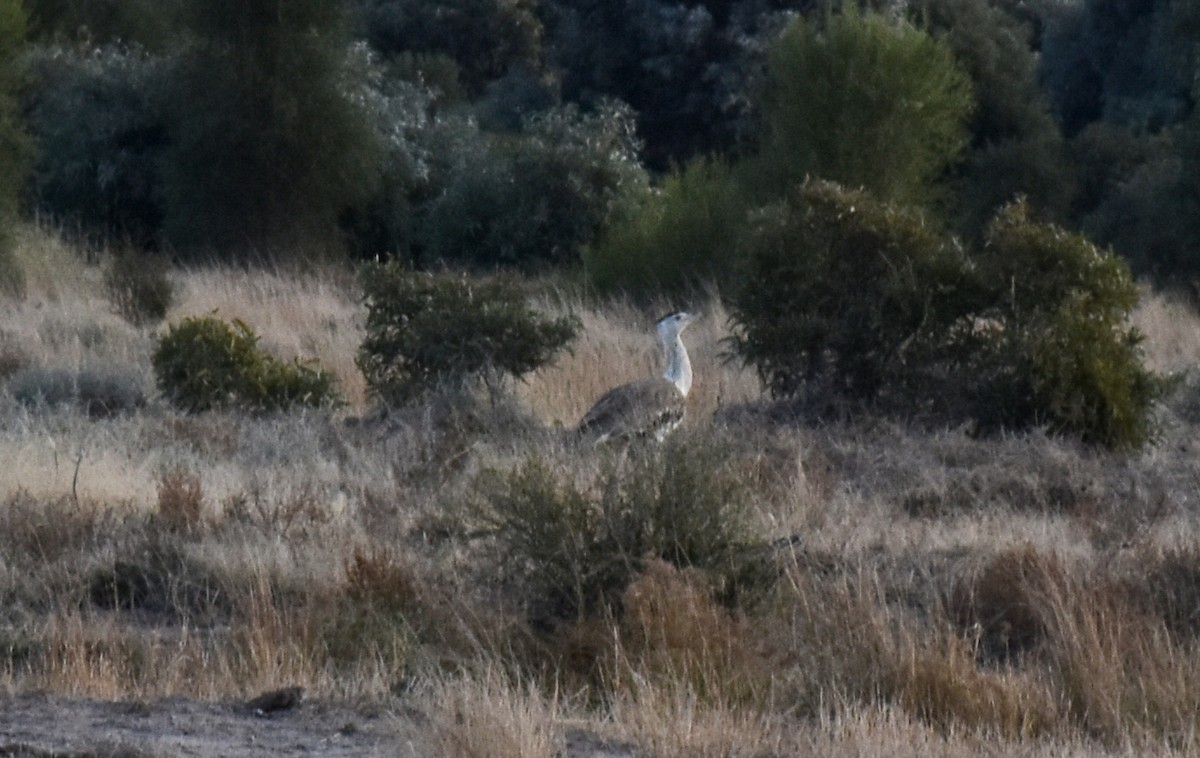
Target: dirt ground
point(40, 726)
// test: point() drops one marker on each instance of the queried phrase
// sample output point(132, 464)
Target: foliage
point(577, 548)
point(1128, 62)
point(204, 363)
point(1065, 305)
point(267, 148)
point(843, 289)
point(101, 136)
point(485, 38)
point(685, 68)
point(684, 233)
point(103, 22)
point(139, 287)
point(426, 330)
point(538, 198)
point(862, 101)
point(862, 299)
point(1015, 145)
point(14, 144)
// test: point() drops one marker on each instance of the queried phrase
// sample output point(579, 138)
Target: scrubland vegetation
point(754, 585)
point(299, 304)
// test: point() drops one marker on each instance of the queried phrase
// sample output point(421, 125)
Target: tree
point(97, 123)
point(863, 101)
point(1016, 147)
point(486, 38)
point(684, 67)
point(14, 144)
point(103, 22)
point(267, 147)
point(1128, 62)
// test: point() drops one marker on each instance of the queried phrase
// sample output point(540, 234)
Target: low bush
point(425, 331)
point(203, 363)
point(577, 548)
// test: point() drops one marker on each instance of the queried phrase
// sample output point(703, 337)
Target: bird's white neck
point(679, 367)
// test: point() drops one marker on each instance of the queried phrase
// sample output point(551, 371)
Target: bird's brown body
point(651, 407)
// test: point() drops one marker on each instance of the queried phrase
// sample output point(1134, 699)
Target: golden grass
point(488, 713)
point(938, 594)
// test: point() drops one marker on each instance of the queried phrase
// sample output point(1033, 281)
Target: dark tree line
point(499, 132)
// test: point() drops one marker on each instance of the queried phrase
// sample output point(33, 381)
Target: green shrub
point(138, 287)
point(426, 331)
point(684, 234)
point(1064, 304)
point(863, 300)
point(864, 101)
point(577, 548)
point(204, 363)
point(844, 290)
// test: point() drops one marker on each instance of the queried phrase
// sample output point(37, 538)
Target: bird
point(650, 407)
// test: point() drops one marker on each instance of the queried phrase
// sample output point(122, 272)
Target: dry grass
point(935, 594)
point(476, 715)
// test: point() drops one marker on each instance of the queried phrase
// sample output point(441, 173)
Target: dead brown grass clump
point(180, 500)
point(49, 529)
point(490, 713)
point(1123, 676)
point(1001, 603)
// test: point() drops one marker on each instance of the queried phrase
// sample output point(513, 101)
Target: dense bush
point(576, 548)
point(843, 290)
point(100, 136)
point(537, 198)
point(684, 233)
point(205, 363)
point(14, 145)
point(266, 145)
point(863, 101)
point(426, 330)
point(1066, 356)
point(864, 301)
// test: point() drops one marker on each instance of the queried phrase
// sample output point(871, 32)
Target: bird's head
point(674, 323)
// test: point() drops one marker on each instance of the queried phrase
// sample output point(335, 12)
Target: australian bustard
point(651, 406)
